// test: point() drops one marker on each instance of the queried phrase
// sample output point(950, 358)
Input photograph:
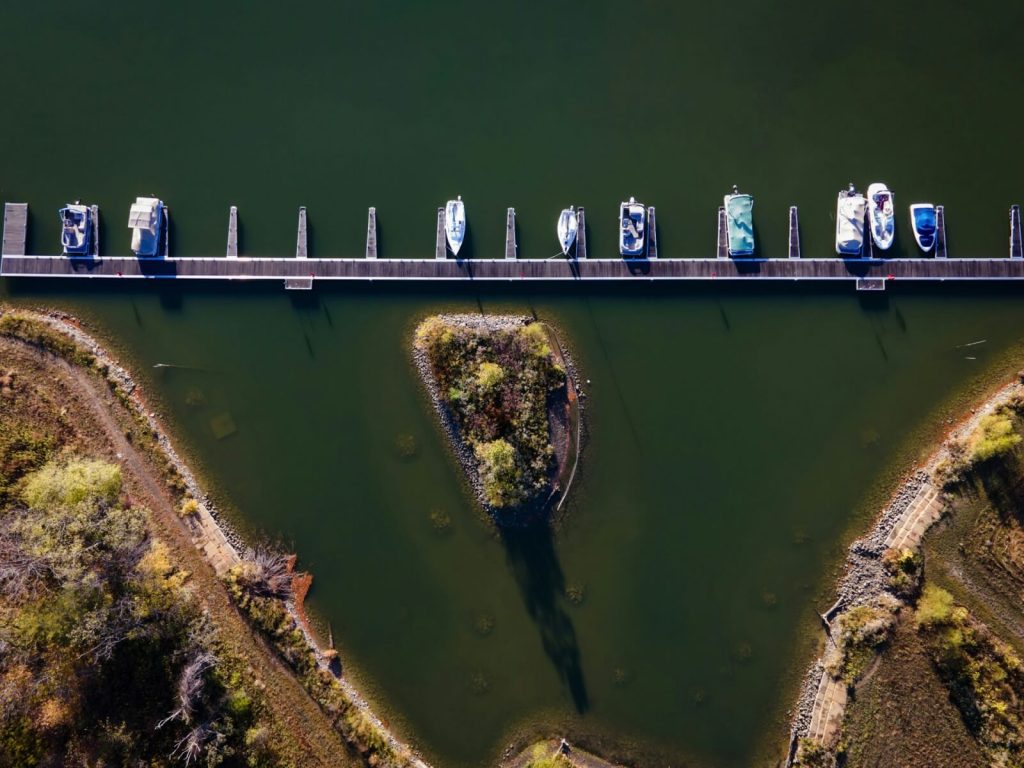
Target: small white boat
point(455, 224)
point(739, 211)
point(881, 215)
point(923, 221)
point(632, 221)
point(146, 220)
point(850, 208)
point(76, 230)
point(567, 224)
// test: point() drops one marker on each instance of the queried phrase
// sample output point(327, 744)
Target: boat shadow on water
point(531, 555)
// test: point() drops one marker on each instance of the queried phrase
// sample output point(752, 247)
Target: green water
point(733, 432)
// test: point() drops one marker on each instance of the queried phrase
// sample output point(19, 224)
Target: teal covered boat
point(739, 212)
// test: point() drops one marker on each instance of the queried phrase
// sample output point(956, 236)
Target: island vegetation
point(504, 391)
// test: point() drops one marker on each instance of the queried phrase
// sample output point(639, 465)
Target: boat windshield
point(924, 220)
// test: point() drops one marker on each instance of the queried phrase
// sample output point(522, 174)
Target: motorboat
point(881, 215)
point(739, 216)
point(455, 224)
point(76, 230)
point(567, 224)
point(850, 209)
point(146, 220)
point(922, 219)
point(632, 222)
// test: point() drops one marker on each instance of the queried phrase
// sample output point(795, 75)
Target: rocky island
point(507, 397)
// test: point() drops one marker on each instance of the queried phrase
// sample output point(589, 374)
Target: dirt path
point(98, 413)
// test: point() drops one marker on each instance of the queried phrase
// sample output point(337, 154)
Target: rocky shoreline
point(121, 380)
point(864, 578)
point(488, 323)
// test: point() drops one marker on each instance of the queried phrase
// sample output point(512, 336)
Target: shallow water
point(733, 432)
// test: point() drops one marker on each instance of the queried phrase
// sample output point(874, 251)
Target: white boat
point(739, 211)
point(850, 208)
point(76, 230)
point(455, 224)
point(567, 224)
point(146, 220)
point(632, 221)
point(923, 221)
point(881, 215)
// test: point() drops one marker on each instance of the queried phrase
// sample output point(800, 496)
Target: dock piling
point(794, 233)
point(940, 232)
point(652, 233)
point(15, 229)
point(232, 252)
point(511, 247)
point(581, 233)
point(94, 249)
point(723, 234)
point(1016, 249)
point(440, 244)
point(371, 233)
point(301, 242)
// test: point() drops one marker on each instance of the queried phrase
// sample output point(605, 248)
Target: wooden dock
point(511, 248)
point(1016, 251)
point(441, 242)
point(940, 232)
point(15, 228)
point(652, 233)
point(794, 233)
point(581, 233)
point(723, 234)
point(371, 234)
point(301, 239)
point(232, 252)
point(94, 247)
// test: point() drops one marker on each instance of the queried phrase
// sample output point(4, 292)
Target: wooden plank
point(794, 233)
point(511, 248)
point(301, 242)
point(581, 233)
point(723, 234)
point(652, 233)
point(1016, 251)
point(167, 232)
point(15, 229)
point(940, 232)
point(94, 248)
point(232, 251)
point(871, 284)
point(371, 233)
point(440, 243)
point(298, 283)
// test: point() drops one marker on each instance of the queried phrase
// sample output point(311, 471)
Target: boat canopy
point(740, 211)
point(144, 214)
point(850, 224)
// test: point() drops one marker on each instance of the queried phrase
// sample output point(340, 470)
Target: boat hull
point(455, 224)
point(632, 229)
point(76, 230)
point(739, 211)
point(567, 225)
point(923, 222)
point(850, 209)
point(881, 216)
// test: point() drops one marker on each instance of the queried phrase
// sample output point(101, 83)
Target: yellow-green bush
point(994, 437)
point(73, 483)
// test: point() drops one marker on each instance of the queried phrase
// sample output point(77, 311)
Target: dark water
point(733, 433)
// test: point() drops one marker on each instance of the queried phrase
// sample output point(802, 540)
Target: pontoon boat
point(146, 220)
point(850, 208)
point(76, 233)
point(739, 210)
point(632, 218)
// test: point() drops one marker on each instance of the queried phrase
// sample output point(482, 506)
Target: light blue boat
point(739, 213)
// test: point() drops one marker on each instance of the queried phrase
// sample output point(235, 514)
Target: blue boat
point(632, 220)
point(739, 211)
point(76, 229)
point(922, 219)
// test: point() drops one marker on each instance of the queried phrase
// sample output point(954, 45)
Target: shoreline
point(227, 547)
point(862, 577)
point(463, 455)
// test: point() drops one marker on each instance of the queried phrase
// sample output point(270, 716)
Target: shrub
point(72, 483)
point(814, 755)
point(935, 608)
point(499, 473)
point(188, 508)
point(994, 437)
point(905, 568)
point(489, 376)
point(861, 632)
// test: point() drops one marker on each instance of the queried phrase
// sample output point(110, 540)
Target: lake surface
point(733, 432)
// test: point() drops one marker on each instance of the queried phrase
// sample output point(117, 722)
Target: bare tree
point(191, 684)
point(266, 574)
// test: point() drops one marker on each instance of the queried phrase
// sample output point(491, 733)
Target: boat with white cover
point(455, 224)
point(739, 216)
point(632, 223)
point(923, 221)
point(850, 208)
point(567, 225)
point(146, 220)
point(881, 215)
point(76, 229)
